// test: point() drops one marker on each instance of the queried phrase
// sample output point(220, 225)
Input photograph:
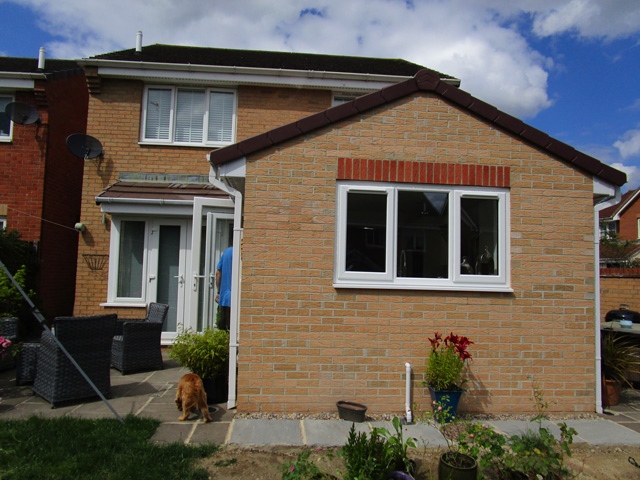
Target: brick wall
point(629, 222)
point(305, 345)
point(114, 119)
point(617, 286)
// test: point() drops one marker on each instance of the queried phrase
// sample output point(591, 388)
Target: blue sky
point(568, 67)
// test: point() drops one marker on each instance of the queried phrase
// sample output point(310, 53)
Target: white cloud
point(481, 41)
point(629, 144)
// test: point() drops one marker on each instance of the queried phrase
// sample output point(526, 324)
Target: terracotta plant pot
point(611, 393)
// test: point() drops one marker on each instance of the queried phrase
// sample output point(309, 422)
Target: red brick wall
point(629, 222)
point(304, 344)
point(617, 286)
point(41, 184)
point(23, 165)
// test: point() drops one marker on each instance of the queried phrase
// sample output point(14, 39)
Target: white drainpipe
point(236, 264)
point(609, 201)
point(407, 402)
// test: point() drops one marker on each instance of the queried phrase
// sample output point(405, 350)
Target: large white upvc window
point(189, 116)
point(5, 122)
point(422, 237)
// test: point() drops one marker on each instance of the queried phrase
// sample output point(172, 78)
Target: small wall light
point(80, 227)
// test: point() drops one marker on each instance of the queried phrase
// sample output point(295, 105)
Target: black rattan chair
point(88, 340)
point(136, 346)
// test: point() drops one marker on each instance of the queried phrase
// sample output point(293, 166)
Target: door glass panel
point(131, 259)
point(169, 272)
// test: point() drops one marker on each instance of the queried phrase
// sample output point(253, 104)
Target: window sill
point(446, 288)
point(190, 145)
point(124, 304)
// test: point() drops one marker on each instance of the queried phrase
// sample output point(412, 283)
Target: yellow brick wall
point(304, 345)
point(114, 119)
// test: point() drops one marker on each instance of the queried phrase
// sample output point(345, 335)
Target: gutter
point(601, 205)
point(235, 284)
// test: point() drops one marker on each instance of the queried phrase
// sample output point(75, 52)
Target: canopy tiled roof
point(187, 55)
point(424, 81)
point(168, 191)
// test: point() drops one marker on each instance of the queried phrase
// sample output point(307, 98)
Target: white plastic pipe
point(407, 404)
point(41, 58)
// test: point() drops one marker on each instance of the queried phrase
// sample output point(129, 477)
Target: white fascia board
point(602, 188)
point(241, 75)
point(130, 206)
point(234, 168)
point(17, 83)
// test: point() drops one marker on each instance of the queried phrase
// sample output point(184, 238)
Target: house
point(41, 181)
point(155, 225)
point(412, 210)
point(622, 219)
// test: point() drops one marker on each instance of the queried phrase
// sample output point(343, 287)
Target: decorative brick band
point(420, 172)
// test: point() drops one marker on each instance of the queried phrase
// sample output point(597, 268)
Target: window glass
point(190, 116)
point(158, 121)
point(221, 105)
point(130, 262)
point(5, 122)
point(423, 234)
point(366, 232)
point(479, 236)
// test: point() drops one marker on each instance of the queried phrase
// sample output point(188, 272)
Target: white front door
point(168, 252)
point(216, 227)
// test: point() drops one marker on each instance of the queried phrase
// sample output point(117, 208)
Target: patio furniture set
point(96, 343)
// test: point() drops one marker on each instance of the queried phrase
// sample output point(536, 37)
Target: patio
point(148, 394)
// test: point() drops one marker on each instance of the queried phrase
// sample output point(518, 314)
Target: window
point(189, 116)
point(610, 229)
point(3, 222)
point(421, 237)
point(5, 122)
point(131, 259)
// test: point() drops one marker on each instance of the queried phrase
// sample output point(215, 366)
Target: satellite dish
point(22, 113)
point(84, 146)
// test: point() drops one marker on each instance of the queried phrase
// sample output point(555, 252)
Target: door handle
point(180, 279)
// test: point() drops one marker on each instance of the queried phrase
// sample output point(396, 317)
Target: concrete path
point(151, 394)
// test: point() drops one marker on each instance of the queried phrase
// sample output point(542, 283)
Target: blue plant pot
point(447, 399)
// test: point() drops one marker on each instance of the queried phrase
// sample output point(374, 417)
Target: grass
point(73, 448)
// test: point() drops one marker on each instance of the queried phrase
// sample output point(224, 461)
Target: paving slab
point(329, 433)
point(604, 432)
point(265, 432)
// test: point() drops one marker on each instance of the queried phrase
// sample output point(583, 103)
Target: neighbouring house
point(155, 224)
point(412, 210)
point(622, 220)
point(41, 181)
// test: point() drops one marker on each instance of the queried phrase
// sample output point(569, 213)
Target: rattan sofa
point(88, 340)
point(136, 346)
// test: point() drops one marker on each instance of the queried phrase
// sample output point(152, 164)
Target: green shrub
point(204, 353)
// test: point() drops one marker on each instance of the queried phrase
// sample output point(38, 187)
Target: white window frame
point(3, 222)
point(500, 282)
point(172, 125)
point(114, 262)
point(7, 138)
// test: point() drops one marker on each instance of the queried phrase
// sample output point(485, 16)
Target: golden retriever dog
point(191, 396)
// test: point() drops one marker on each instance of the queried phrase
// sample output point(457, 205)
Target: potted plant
point(207, 355)
point(445, 372)
point(620, 356)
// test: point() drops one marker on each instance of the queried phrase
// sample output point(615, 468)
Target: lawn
point(73, 448)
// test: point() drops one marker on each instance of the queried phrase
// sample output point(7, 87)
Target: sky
point(570, 68)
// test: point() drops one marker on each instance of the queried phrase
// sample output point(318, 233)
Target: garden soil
point(267, 463)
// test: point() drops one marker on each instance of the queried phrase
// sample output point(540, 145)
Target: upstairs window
point(418, 237)
point(5, 122)
point(189, 116)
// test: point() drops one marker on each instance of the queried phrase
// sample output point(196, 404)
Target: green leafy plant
point(445, 365)
point(303, 469)
point(11, 301)
point(619, 356)
point(374, 456)
point(531, 454)
point(204, 353)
